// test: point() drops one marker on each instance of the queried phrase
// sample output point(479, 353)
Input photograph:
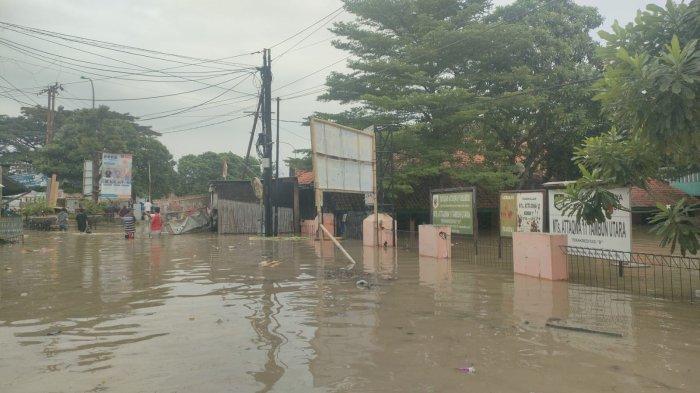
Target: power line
point(307, 27)
point(195, 106)
point(309, 35)
point(111, 46)
point(160, 96)
point(23, 93)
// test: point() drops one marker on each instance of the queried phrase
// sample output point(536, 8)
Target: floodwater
point(198, 313)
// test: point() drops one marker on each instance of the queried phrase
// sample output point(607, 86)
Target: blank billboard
point(343, 157)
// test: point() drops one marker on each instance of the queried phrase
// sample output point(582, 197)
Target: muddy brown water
point(197, 313)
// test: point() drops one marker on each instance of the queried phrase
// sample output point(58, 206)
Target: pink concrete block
point(308, 227)
point(386, 235)
point(538, 300)
point(434, 241)
point(540, 255)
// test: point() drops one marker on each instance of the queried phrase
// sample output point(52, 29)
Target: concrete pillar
point(540, 255)
point(435, 241)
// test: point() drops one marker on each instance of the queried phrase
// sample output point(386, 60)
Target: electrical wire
point(309, 35)
point(307, 27)
point(194, 106)
point(111, 46)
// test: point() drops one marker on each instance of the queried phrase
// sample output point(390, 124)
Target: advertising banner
point(508, 213)
point(530, 211)
point(115, 176)
point(521, 212)
point(454, 209)
point(614, 234)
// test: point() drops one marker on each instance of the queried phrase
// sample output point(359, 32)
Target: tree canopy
point(195, 171)
point(495, 97)
point(650, 94)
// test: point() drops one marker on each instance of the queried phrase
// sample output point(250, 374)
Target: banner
point(454, 209)
point(508, 213)
point(87, 178)
point(115, 176)
point(521, 212)
point(614, 234)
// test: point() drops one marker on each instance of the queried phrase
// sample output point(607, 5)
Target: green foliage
point(22, 137)
point(196, 171)
point(303, 163)
point(93, 208)
point(675, 226)
point(86, 132)
point(37, 208)
point(649, 90)
point(619, 159)
point(588, 198)
point(470, 92)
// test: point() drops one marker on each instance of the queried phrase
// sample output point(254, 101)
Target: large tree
point(196, 171)
point(474, 95)
point(85, 133)
point(650, 93)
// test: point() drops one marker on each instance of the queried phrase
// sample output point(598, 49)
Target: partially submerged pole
point(337, 243)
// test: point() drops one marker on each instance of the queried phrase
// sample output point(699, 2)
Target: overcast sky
point(202, 29)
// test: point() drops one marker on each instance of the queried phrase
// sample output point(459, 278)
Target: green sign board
point(454, 209)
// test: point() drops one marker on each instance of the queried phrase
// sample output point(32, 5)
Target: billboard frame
point(475, 218)
point(318, 191)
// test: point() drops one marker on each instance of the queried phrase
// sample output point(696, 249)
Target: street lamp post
point(93, 90)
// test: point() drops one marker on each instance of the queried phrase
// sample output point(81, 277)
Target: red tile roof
point(304, 177)
point(658, 192)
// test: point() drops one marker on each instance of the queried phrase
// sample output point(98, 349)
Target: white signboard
point(87, 178)
point(530, 211)
point(343, 157)
point(115, 176)
point(614, 234)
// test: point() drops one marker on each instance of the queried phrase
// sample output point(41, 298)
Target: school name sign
point(454, 209)
point(613, 234)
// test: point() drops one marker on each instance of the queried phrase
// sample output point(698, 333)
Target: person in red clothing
point(156, 222)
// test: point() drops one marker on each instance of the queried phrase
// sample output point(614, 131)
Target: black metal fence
point(664, 276)
point(10, 229)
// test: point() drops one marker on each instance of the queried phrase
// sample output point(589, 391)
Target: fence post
point(620, 272)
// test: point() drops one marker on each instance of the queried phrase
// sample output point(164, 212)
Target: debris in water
point(54, 333)
point(219, 321)
point(363, 284)
point(559, 324)
point(191, 318)
point(269, 263)
point(467, 370)
point(23, 294)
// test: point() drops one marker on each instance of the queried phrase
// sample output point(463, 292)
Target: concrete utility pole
point(51, 92)
point(92, 84)
point(277, 169)
point(266, 140)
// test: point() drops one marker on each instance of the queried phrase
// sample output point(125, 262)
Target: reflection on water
point(199, 313)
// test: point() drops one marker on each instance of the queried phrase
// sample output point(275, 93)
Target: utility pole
point(149, 182)
point(93, 89)
point(277, 169)
point(266, 139)
point(51, 92)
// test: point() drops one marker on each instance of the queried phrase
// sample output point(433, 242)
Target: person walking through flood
point(82, 219)
point(62, 220)
point(129, 224)
point(156, 222)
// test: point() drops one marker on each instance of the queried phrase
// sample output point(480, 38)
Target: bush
point(37, 208)
point(93, 208)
